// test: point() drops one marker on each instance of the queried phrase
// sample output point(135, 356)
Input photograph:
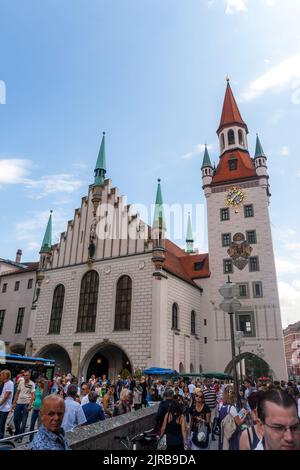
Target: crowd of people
point(191, 413)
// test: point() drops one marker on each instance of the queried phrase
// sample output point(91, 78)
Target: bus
point(38, 366)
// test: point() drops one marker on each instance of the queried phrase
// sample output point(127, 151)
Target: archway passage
point(60, 356)
point(251, 366)
point(18, 349)
point(105, 359)
point(98, 366)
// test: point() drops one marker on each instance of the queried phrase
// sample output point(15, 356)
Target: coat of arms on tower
point(239, 251)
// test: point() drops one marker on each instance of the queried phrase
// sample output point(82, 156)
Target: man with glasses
point(278, 415)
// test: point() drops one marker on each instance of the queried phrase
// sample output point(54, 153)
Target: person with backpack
point(230, 421)
point(200, 423)
point(252, 435)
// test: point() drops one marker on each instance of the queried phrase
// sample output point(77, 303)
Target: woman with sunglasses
point(200, 414)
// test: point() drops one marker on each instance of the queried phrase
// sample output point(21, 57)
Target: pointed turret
point(260, 161)
point(258, 149)
point(100, 169)
point(189, 236)
point(207, 172)
point(47, 240)
point(232, 130)
point(159, 218)
point(206, 160)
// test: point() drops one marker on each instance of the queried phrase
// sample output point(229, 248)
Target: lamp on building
point(239, 342)
point(99, 361)
point(230, 305)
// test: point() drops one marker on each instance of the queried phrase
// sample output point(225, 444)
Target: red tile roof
point(182, 265)
point(230, 113)
point(245, 167)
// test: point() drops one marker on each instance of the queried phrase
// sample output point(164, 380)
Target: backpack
point(228, 426)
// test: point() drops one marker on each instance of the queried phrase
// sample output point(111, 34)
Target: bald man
point(51, 435)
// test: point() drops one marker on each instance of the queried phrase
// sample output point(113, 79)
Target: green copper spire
point(189, 237)
point(259, 150)
point(159, 218)
point(100, 169)
point(47, 241)
point(206, 160)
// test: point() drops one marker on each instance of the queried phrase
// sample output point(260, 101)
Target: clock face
point(234, 197)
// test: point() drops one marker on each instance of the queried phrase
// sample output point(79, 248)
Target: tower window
point(245, 322)
point(198, 266)
point(243, 290)
point(257, 289)
point(222, 142)
point(251, 236)
point(253, 263)
point(227, 266)
point(226, 239)
point(231, 138)
point(4, 287)
point(224, 214)
point(248, 210)
point(232, 164)
point(241, 138)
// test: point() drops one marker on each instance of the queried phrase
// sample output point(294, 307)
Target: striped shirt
point(210, 397)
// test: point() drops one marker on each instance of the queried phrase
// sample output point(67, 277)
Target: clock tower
point(240, 245)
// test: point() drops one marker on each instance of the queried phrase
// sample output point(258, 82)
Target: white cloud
point(14, 170)
point(284, 151)
point(61, 183)
point(197, 151)
point(279, 77)
point(289, 295)
point(234, 6)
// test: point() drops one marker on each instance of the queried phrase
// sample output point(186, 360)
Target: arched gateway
point(251, 366)
point(59, 354)
point(105, 358)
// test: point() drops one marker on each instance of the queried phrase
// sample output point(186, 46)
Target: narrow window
point(253, 263)
point(30, 282)
point(17, 285)
point(222, 142)
point(226, 239)
point(20, 319)
point(88, 302)
point(224, 214)
point(248, 210)
point(174, 316)
point(193, 322)
point(241, 138)
point(123, 303)
point(2, 315)
point(231, 138)
point(251, 236)
point(4, 287)
point(57, 309)
point(227, 266)
point(257, 289)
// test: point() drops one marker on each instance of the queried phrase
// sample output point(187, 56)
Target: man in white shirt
point(23, 402)
point(74, 414)
point(85, 390)
point(192, 387)
point(6, 398)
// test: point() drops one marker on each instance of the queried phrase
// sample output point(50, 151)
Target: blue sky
point(151, 73)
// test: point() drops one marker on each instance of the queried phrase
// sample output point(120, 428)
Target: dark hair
point(176, 408)
point(72, 390)
point(254, 398)
point(276, 396)
point(93, 397)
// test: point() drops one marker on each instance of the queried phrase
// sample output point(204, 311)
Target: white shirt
point(259, 446)
point(85, 400)
point(8, 387)
point(74, 415)
point(191, 388)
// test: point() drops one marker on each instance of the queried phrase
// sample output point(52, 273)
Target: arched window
point(193, 322)
point(88, 302)
point(57, 309)
point(222, 141)
point(181, 368)
point(191, 368)
point(231, 138)
point(123, 303)
point(175, 317)
point(241, 137)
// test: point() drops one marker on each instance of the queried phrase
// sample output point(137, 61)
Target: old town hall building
point(106, 301)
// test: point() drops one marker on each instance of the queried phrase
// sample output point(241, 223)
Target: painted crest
point(239, 251)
